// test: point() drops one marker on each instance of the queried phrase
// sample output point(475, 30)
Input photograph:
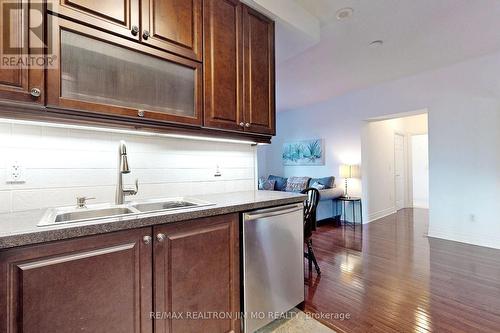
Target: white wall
point(420, 170)
point(377, 147)
point(463, 101)
point(341, 140)
point(63, 163)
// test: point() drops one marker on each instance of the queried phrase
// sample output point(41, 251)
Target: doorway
point(391, 148)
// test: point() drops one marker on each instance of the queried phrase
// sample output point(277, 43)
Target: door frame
point(410, 166)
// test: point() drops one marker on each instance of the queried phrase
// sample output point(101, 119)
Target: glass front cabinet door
point(105, 74)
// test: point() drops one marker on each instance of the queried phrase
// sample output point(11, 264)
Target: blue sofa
point(327, 207)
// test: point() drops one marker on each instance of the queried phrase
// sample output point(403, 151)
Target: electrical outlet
point(217, 172)
point(16, 173)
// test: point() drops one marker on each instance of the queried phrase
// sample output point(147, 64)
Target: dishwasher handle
point(265, 213)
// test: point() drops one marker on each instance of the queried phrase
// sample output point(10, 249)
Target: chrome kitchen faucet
point(123, 168)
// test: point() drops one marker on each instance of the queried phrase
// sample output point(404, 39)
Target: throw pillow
point(318, 186)
point(266, 185)
point(296, 184)
point(280, 182)
point(328, 182)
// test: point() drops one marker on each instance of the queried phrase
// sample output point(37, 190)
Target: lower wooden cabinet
point(196, 270)
point(116, 282)
point(92, 284)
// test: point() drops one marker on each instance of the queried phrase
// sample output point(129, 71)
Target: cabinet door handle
point(147, 239)
point(247, 125)
point(140, 113)
point(242, 124)
point(160, 237)
point(134, 30)
point(145, 35)
point(35, 92)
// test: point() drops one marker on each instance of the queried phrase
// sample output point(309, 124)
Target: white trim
point(490, 241)
point(399, 115)
point(412, 203)
point(423, 205)
point(380, 214)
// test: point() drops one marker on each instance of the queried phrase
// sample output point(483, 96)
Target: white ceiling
point(418, 35)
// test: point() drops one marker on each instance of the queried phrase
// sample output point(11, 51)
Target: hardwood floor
point(390, 277)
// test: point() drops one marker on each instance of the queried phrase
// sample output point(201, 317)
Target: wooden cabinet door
point(174, 26)
point(196, 270)
point(118, 17)
point(18, 42)
point(91, 284)
point(223, 60)
point(258, 72)
point(103, 75)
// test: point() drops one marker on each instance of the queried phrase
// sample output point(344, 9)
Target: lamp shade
point(345, 171)
point(349, 171)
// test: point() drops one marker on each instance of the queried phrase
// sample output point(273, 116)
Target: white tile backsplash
point(5, 201)
point(63, 163)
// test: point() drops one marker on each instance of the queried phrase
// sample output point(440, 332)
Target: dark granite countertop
point(18, 229)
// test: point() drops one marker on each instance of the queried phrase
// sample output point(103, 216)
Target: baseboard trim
point(380, 214)
point(484, 241)
point(420, 204)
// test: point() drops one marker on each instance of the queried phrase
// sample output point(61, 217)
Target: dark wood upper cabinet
point(258, 72)
point(117, 17)
point(92, 284)
point(108, 75)
point(184, 64)
point(223, 64)
point(174, 26)
point(238, 68)
point(196, 269)
point(18, 80)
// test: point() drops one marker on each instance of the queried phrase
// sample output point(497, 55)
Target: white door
point(399, 170)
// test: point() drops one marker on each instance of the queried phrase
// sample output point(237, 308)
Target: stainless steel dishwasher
point(273, 263)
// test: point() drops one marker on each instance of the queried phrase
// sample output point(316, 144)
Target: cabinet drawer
point(106, 74)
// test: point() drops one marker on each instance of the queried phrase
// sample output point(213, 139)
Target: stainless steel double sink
point(62, 215)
